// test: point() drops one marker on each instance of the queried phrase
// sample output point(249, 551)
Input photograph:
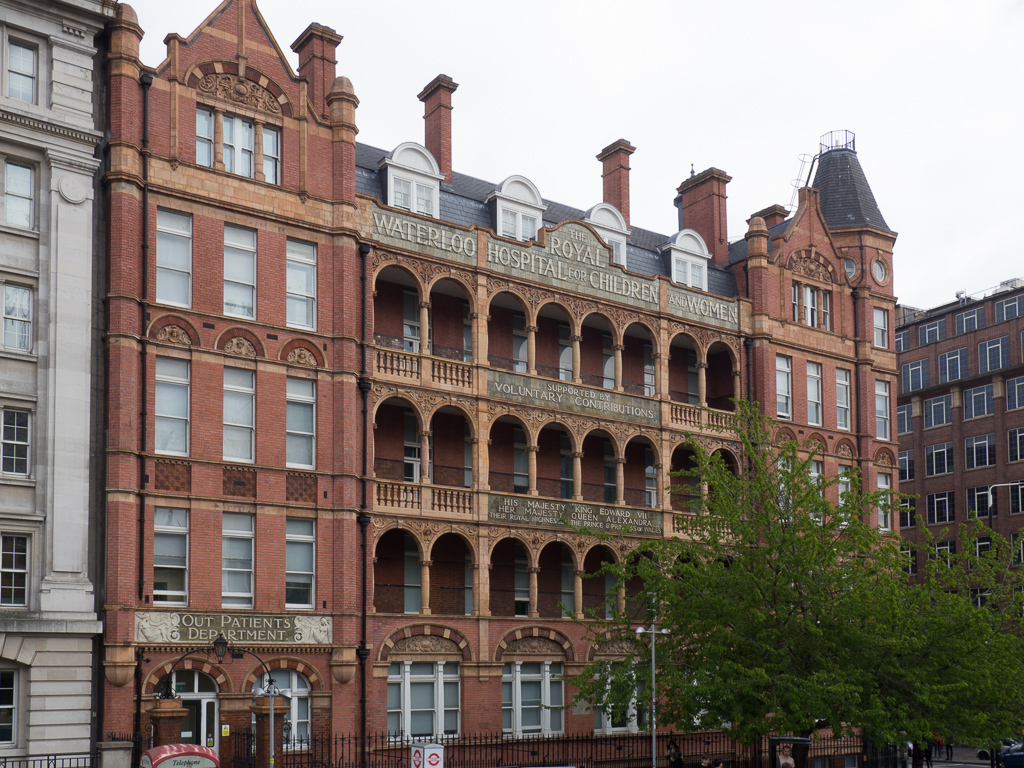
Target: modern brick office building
point(378, 388)
point(960, 416)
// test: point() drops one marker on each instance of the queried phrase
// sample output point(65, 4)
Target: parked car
point(1012, 756)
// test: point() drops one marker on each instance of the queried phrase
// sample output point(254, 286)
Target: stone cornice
point(46, 126)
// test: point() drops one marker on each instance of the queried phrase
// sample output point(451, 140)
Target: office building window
point(271, 155)
point(1015, 438)
point(908, 516)
point(909, 559)
point(518, 225)
point(300, 537)
point(1016, 499)
point(915, 375)
point(881, 321)
point(842, 399)
point(1015, 393)
point(239, 414)
point(170, 556)
point(978, 402)
point(904, 419)
point(22, 61)
point(981, 451)
point(885, 506)
point(783, 387)
point(993, 354)
point(938, 411)
point(977, 502)
point(882, 410)
point(971, 320)
point(239, 145)
point(14, 456)
point(943, 551)
point(239, 272)
point(237, 560)
point(938, 459)
point(532, 697)
point(19, 195)
point(814, 407)
point(423, 699)
point(17, 312)
point(174, 258)
point(906, 465)
point(8, 705)
point(941, 507)
point(171, 412)
point(930, 332)
point(13, 572)
point(413, 195)
point(902, 341)
point(300, 422)
point(300, 284)
point(204, 137)
point(1007, 309)
point(953, 366)
point(811, 306)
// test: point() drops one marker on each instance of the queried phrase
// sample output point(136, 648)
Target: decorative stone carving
point(844, 450)
point(619, 646)
point(808, 267)
point(318, 630)
point(425, 644)
point(154, 627)
point(240, 346)
point(240, 91)
point(302, 356)
point(883, 458)
point(534, 645)
point(174, 334)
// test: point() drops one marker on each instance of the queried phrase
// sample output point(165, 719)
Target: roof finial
point(692, 172)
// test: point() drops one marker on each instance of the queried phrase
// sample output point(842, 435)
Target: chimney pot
point(316, 48)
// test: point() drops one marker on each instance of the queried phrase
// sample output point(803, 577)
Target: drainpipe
point(146, 79)
point(857, 386)
point(363, 518)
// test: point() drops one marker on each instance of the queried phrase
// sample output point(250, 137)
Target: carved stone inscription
point(430, 238)
point(703, 308)
point(162, 627)
point(570, 397)
point(560, 514)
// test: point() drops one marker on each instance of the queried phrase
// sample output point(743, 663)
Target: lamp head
point(220, 647)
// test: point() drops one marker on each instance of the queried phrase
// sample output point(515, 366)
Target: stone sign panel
point(564, 396)
point(553, 513)
point(183, 627)
point(702, 308)
point(431, 238)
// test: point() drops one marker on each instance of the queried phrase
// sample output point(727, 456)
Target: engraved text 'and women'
point(570, 397)
point(572, 258)
point(572, 514)
point(181, 627)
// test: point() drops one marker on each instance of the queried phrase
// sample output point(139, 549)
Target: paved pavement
point(961, 756)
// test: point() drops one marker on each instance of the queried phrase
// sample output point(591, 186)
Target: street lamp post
point(653, 631)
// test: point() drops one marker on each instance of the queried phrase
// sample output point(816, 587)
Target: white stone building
point(51, 129)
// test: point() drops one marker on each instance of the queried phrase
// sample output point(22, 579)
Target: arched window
point(295, 686)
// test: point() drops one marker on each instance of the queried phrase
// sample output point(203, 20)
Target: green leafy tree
point(788, 613)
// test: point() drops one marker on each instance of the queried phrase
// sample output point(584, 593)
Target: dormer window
point(689, 258)
point(518, 208)
point(413, 180)
point(611, 226)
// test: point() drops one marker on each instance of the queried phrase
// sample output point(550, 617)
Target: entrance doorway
point(197, 693)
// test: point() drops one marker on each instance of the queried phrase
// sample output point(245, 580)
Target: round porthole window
point(851, 267)
point(879, 271)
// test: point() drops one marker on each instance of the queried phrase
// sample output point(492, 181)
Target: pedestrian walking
point(949, 749)
point(929, 748)
point(675, 757)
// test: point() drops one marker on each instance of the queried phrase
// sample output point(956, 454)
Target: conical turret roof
point(846, 198)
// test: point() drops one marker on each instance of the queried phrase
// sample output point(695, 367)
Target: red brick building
point(960, 417)
point(380, 388)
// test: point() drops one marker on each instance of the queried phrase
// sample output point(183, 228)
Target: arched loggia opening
point(507, 337)
point(557, 464)
point(397, 317)
point(685, 490)
point(600, 468)
point(556, 582)
point(597, 352)
point(397, 573)
point(641, 474)
point(555, 343)
point(600, 591)
point(508, 457)
point(510, 579)
point(683, 376)
point(721, 385)
point(638, 369)
point(451, 323)
point(451, 576)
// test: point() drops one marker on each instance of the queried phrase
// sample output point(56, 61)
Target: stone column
point(620, 480)
point(257, 151)
point(577, 475)
point(166, 717)
point(218, 139)
point(618, 367)
point(660, 387)
point(531, 458)
point(662, 482)
point(702, 385)
point(620, 599)
point(736, 391)
point(481, 456)
point(531, 349)
point(576, 359)
point(425, 587)
point(577, 592)
point(480, 321)
point(484, 592)
point(424, 327)
point(533, 571)
point(425, 455)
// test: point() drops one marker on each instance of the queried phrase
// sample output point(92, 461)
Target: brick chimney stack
point(437, 113)
point(316, 48)
point(772, 215)
point(701, 203)
point(615, 175)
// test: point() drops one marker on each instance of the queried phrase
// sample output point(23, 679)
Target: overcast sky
point(933, 89)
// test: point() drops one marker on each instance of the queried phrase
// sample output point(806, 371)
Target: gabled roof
point(464, 203)
point(846, 198)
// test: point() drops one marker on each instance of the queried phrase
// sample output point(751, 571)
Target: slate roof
point(738, 250)
point(846, 198)
point(463, 202)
